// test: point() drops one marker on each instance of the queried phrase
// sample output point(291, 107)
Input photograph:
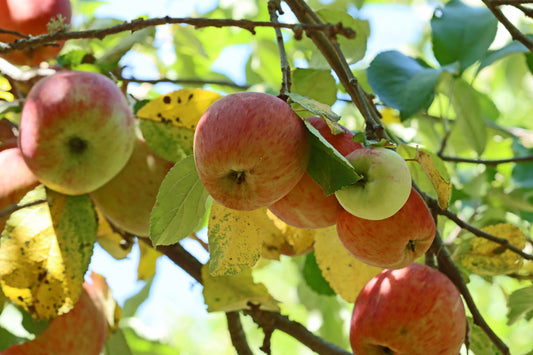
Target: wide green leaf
point(520, 303)
point(469, 115)
point(313, 276)
point(402, 82)
point(326, 165)
point(461, 33)
point(316, 84)
point(180, 204)
point(508, 49)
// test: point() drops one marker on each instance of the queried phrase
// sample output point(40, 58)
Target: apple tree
point(296, 174)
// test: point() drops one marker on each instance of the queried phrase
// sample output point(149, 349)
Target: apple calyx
point(77, 145)
point(239, 177)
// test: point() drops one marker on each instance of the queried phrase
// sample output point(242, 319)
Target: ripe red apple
point(391, 243)
point(306, 205)
point(15, 179)
point(76, 131)
point(30, 17)
point(385, 186)
point(127, 200)
point(250, 150)
point(83, 330)
point(416, 310)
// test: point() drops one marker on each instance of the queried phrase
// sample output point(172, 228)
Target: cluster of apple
point(251, 151)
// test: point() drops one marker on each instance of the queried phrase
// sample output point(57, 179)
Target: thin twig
point(140, 23)
point(16, 207)
point(274, 7)
point(184, 81)
point(513, 31)
point(527, 158)
point(448, 267)
point(238, 337)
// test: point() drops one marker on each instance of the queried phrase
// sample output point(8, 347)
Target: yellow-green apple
point(250, 150)
point(384, 188)
point(127, 200)
point(306, 205)
point(15, 179)
point(83, 330)
point(30, 17)
point(76, 131)
point(391, 243)
point(416, 310)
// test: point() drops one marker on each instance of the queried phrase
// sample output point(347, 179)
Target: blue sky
point(173, 289)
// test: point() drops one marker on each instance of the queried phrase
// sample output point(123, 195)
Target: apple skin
point(391, 243)
point(76, 131)
point(250, 150)
point(15, 180)
point(83, 330)
point(416, 310)
point(30, 17)
point(306, 206)
point(127, 200)
point(385, 186)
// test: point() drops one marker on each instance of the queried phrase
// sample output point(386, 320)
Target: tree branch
point(527, 158)
point(138, 24)
point(448, 267)
point(331, 51)
point(274, 7)
point(513, 31)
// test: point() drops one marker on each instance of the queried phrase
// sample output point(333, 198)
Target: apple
point(30, 17)
point(384, 188)
point(416, 310)
point(76, 131)
point(306, 205)
point(15, 179)
point(83, 330)
point(391, 243)
point(250, 150)
point(127, 200)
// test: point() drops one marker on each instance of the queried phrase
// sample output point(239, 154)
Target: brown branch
point(238, 337)
point(274, 7)
point(15, 207)
point(185, 81)
point(272, 320)
point(434, 206)
point(528, 158)
point(192, 266)
point(140, 23)
point(513, 31)
point(330, 49)
point(448, 267)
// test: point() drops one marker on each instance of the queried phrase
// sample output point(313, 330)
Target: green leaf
point(326, 165)
point(354, 49)
point(480, 343)
point(134, 302)
point(402, 82)
point(461, 33)
point(465, 102)
point(117, 344)
point(520, 304)
point(510, 48)
point(170, 142)
point(313, 276)
point(315, 84)
point(314, 106)
point(180, 204)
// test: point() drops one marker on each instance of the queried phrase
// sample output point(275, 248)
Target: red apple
point(250, 150)
point(306, 205)
point(391, 243)
point(416, 310)
point(30, 17)
point(76, 131)
point(15, 179)
point(127, 200)
point(83, 330)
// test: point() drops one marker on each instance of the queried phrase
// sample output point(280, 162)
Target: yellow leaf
point(288, 240)
point(484, 257)
point(236, 238)
point(390, 115)
point(45, 251)
point(236, 292)
point(345, 274)
point(110, 240)
point(435, 170)
point(147, 262)
point(4, 90)
point(183, 107)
